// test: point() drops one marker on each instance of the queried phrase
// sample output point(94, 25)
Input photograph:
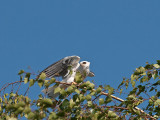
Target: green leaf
point(144, 79)
point(57, 90)
point(10, 107)
point(77, 91)
point(77, 100)
point(21, 72)
point(28, 75)
point(121, 91)
point(31, 82)
point(155, 74)
point(26, 80)
point(156, 66)
point(98, 90)
point(81, 97)
point(52, 80)
point(47, 101)
point(127, 83)
point(40, 83)
point(65, 103)
point(88, 97)
point(148, 67)
point(110, 90)
point(133, 83)
point(91, 85)
point(11, 118)
point(89, 103)
point(52, 116)
point(27, 110)
point(101, 101)
point(42, 76)
point(21, 104)
point(92, 93)
point(112, 114)
point(72, 103)
point(157, 102)
point(61, 114)
point(157, 83)
point(75, 97)
point(151, 102)
point(134, 77)
point(31, 115)
point(88, 82)
point(121, 83)
point(46, 83)
point(12, 94)
point(158, 62)
point(152, 88)
point(70, 89)
point(62, 91)
point(78, 78)
point(108, 99)
point(140, 71)
point(19, 110)
point(131, 97)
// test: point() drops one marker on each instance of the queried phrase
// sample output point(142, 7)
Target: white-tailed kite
point(67, 68)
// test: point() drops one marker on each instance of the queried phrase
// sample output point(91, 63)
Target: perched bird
point(67, 69)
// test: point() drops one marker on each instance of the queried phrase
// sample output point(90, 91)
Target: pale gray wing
point(60, 68)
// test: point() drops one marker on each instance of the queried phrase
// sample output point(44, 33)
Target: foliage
point(85, 100)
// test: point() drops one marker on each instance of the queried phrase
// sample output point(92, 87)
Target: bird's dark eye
point(84, 62)
point(67, 61)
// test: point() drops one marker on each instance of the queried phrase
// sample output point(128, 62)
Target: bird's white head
point(85, 64)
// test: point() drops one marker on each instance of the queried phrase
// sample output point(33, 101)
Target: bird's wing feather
point(56, 69)
point(60, 68)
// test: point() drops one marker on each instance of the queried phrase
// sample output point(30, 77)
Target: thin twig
point(121, 100)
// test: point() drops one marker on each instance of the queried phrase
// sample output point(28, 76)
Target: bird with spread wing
point(67, 69)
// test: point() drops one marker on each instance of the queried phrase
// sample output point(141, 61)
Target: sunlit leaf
point(89, 103)
point(40, 83)
point(21, 72)
point(88, 97)
point(57, 89)
point(156, 66)
point(52, 80)
point(47, 101)
point(157, 102)
point(26, 80)
point(52, 116)
point(101, 101)
point(112, 114)
point(42, 76)
point(31, 82)
point(31, 115)
point(72, 103)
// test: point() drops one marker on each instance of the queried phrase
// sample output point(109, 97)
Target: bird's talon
point(74, 83)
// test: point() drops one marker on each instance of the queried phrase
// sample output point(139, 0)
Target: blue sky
point(115, 36)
